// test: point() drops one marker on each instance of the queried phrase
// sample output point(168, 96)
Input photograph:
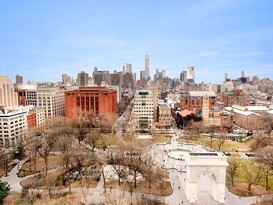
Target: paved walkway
point(176, 175)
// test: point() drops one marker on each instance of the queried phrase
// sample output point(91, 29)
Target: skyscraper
point(82, 78)
point(19, 79)
point(191, 74)
point(147, 65)
point(127, 68)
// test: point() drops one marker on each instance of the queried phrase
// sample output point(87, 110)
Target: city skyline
point(42, 40)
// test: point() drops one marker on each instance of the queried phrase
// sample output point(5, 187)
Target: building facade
point(52, 99)
point(164, 116)
point(13, 126)
point(191, 75)
point(97, 100)
point(194, 99)
point(8, 97)
point(128, 81)
point(82, 78)
point(19, 79)
point(143, 110)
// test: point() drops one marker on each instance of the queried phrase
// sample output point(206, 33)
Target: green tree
point(4, 190)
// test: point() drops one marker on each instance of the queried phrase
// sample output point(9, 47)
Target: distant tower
point(82, 78)
point(127, 68)
point(147, 65)
point(226, 77)
point(19, 79)
point(142, 74)
point(242, 74)
point(191, 74)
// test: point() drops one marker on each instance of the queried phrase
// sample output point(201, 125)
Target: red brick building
point(86, 100)
point(21, 97)
point(194, 100)
point(31, 120)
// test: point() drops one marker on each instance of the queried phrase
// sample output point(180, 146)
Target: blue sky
point(42, 39)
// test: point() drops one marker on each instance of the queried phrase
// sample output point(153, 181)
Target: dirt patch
point(39, 165)
point(240, 189)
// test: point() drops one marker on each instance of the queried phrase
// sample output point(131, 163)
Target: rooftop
point(201, 93)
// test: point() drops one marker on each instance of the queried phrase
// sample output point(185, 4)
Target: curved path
point(163, 159)
point(177, 174)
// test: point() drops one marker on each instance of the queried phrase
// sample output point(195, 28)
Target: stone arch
point(211, 165)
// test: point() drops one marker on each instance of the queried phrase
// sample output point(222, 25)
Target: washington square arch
point(198, 173)
point(209, 168)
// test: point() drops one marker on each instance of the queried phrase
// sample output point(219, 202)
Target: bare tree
point(260, 142)
point(220, 140)
point(197, 128)
point(148, 167)
point(253, 172)
point(31, 151)
point(80, 132)
point(265, 156)
point(118, 163)
point(232, 170)
point(5, 160)
point(44, 148)
point(212, 129)
point(93, 138)
point(267, 125)
point(107, 122)
point(64, 144)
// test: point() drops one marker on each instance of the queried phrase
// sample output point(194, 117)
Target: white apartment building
point(143, 110)
point(13, 126)
point(52, 99)
point(31, 97)
point(40, 117)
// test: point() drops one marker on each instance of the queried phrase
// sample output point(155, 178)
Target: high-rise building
point(183, 76)
point(143, 109)
point(82, 78)
point(8, 97)
point(97, 100)
point(147, 65)
point(191, 74)
point(128, 81)
point(143, 74)
point(66, 79)
point(127, 68)
point(19, 79)
point(52, 99)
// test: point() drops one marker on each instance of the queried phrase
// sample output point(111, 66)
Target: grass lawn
point(228, 146)
point(241, 179)
point(53, 162)
point(2, 172)
point(54, 180)
point(161, 139)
